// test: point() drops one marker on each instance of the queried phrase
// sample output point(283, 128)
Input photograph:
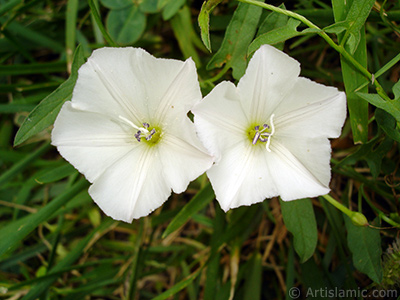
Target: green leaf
point(358, 110)
point(276, 36)
point(337, 27)
point(14, 232)
point(204, 21)
point(299, 219)
point(170, 8)
point(56, 174)
point(272, 21)
point(365, 245)
point(239, 34)
point(116, 4)
point(390, 106)
point(126, 25)
point(375, 156)
point(396, 90)
point(198, 202)
point(372, 152)
point(183, 29)
point(356, 18)
point(46, 112)
point(97, 18)
point(149, 6)
point(388, 124)
point(253, 282)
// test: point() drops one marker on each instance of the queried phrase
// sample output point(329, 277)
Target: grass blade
point(14, 232)
point(198, 202)
point(22, 164)
point(72, 256)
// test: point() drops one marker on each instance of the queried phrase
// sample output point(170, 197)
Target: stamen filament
point(134, 126)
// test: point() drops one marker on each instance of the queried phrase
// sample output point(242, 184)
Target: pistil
point(265, 133)
point(142, 132)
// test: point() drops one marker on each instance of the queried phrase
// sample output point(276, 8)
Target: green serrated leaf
point(204, 21)
point(276, 36)
point(272, 21)
point(299, 219)
point(390, 106)
point(337, 27)
point(46, 112)
point(365, 245)
point(239, 34)
point(356, 17)
point(198, 202)
point(126, 25)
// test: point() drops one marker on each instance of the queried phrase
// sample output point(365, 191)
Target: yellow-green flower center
point(147, 134)
point(262, 133)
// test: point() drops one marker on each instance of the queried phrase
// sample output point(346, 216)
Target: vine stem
point(326, 37)
point(356, 217)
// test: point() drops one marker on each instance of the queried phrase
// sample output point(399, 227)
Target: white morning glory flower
point(269, 134)
point(126, 129)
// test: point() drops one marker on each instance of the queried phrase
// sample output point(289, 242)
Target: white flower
point(270, 133)
point(126, 129)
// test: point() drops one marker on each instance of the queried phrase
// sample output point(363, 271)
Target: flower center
point(262, 133)
point(147, 133)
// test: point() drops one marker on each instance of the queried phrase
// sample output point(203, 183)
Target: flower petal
point(242, 176)
point(91, 142)
point(173, 102)
point(308, 104)
point(292, 179)
point(269, 78)
point(313, 153)
point(108, 84)
point(219, 119)
point(132, 187)
point(183, 159)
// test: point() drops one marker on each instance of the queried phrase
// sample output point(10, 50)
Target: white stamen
point(271, 121)
point(133, 125)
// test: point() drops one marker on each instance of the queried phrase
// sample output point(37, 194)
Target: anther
point(256, 137)
point(152, 132)
point(137, 135)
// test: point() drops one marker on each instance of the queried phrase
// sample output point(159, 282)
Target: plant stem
point(356, 217)
point(326, 37)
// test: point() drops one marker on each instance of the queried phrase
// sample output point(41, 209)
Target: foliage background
point(55, 243)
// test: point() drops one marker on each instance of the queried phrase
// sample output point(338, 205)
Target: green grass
point(55, 243)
